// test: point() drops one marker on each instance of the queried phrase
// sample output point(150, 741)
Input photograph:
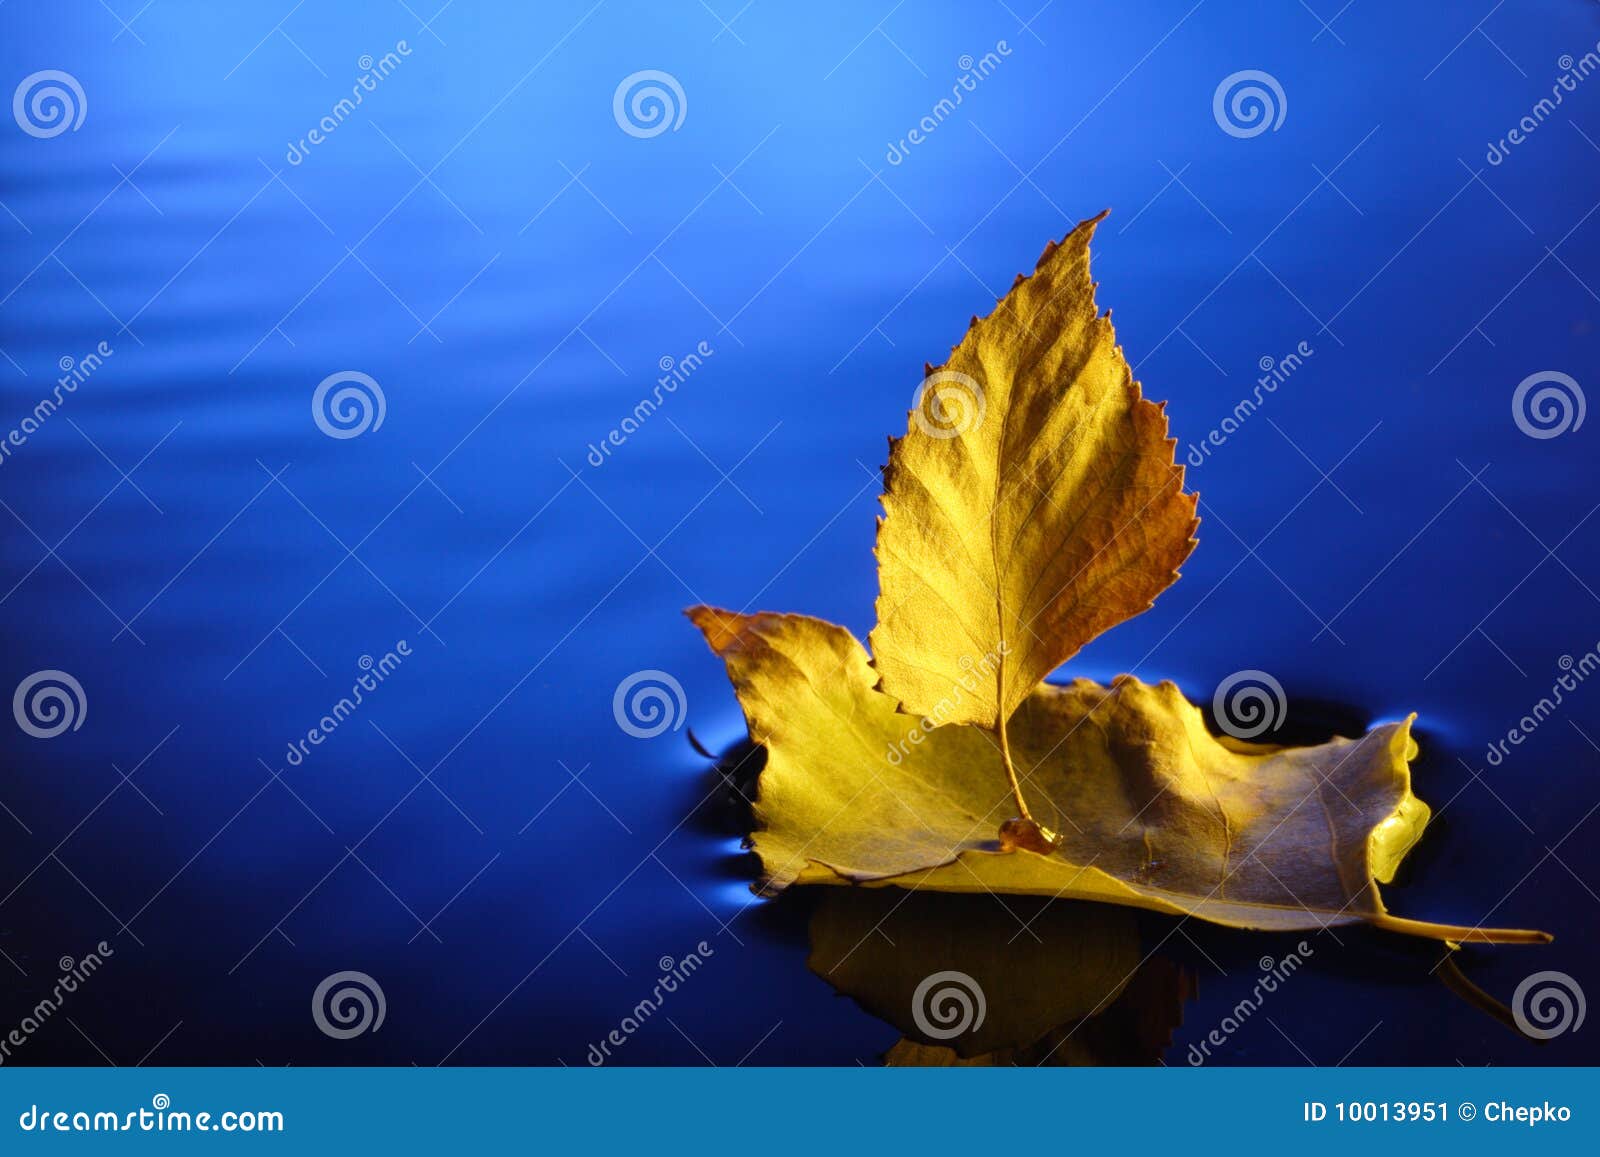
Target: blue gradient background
point(483, 239)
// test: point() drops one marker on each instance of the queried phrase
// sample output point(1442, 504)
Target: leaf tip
point(722, 629)
point(1085, 228)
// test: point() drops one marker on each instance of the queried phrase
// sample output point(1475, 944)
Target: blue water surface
point(486, 240)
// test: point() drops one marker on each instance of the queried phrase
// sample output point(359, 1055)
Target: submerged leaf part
point(1154, 811)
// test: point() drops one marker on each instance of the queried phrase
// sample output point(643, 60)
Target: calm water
point(482, 239)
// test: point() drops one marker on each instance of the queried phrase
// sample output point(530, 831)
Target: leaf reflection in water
point(988, 980)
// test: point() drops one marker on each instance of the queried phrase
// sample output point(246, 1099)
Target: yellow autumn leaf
point(1033, 503)
point(1157, 813)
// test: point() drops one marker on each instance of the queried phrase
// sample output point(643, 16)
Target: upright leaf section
point(1033, 503)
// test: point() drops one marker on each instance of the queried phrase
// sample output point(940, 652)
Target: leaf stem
point(1011, 771)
